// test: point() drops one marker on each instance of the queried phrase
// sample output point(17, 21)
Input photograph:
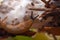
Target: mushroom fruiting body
point(14, 9)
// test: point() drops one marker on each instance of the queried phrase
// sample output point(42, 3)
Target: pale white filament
point(19, 9)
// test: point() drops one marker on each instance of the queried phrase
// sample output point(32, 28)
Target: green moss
point(22, 38)
point(40, 36)
point(19, 38)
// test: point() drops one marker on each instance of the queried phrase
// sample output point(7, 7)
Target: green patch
point(23, 38)
point(40, 36)
point(20, 38)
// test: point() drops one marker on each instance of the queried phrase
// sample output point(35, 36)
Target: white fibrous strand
point(16, 9)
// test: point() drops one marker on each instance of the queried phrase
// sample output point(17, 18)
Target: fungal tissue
point(15, 9)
